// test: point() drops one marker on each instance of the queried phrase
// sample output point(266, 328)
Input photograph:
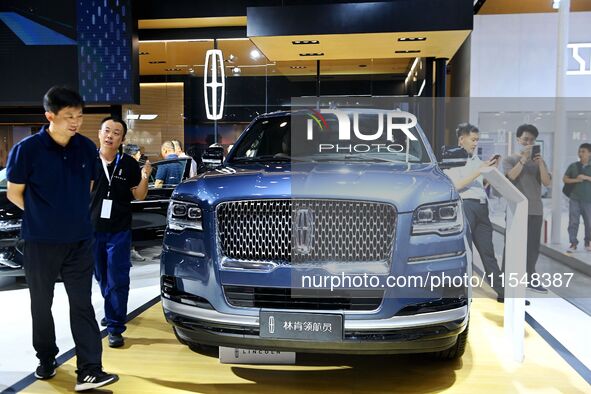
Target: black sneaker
point(46, 369)
point(104, 322)
point(93, 380)
point(116, 340)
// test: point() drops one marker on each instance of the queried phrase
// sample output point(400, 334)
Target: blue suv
point(254, 248)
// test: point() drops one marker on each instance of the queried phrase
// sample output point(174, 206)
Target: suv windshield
point(273, 139)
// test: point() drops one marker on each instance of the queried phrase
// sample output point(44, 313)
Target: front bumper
point(426, 332)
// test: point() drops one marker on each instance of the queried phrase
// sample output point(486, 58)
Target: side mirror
point(453, 156)
point(213, 156)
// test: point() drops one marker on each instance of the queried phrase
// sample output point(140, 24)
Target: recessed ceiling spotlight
point(157, 62)
point(312, 54)
point(236, 70)
point(231, 58)
point(144, 53)
point(412, 39)
point(556, 4)
point(306, 42)
point(191, 70)
point(409, 51)
point(297, 67)
point(255, 54)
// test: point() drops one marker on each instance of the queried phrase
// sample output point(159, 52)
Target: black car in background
point(148, 220)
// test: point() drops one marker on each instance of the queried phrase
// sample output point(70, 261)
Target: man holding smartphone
point(528, 172)
point(469, 183)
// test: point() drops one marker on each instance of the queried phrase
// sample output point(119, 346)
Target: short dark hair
point(116, 119)
point(131, 149)
point(465, 129)
point(529, 128)
point(585, 145)
point(59, 97)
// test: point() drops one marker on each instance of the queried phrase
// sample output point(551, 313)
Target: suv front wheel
point(456, 351)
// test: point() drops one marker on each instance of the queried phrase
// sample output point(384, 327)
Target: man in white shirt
point(469, 184)
point(178, 150)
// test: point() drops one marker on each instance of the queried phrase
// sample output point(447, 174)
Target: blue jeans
point(577, 208)
point(111, 269)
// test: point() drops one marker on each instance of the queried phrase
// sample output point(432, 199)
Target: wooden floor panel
point(152, 361)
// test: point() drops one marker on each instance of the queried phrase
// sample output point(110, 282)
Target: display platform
point(153, 361)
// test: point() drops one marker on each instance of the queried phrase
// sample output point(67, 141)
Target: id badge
point(106, 209)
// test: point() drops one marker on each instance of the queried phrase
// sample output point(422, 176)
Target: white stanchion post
point(515, 256)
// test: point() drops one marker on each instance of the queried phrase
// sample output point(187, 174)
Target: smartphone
point(535, 150)
point(495, 157)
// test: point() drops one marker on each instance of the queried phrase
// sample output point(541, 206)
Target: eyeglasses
point(71, 118)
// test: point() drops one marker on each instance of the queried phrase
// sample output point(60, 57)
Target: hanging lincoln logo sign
point(214, 84)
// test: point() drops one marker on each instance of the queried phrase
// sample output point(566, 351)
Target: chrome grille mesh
point(341, 231)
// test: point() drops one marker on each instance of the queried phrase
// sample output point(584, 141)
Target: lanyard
point(110, 178)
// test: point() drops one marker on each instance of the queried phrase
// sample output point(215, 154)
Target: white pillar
point(560, 132)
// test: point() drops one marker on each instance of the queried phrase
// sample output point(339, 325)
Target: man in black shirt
point(119, 181)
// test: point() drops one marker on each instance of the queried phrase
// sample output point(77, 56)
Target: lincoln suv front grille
point(290, 231)
point(305, 299)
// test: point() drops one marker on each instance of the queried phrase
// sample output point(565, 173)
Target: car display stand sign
point(516, 238)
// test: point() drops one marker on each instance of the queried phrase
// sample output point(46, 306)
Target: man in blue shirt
point(169, 174)
point(470, 185)
point(49, 177)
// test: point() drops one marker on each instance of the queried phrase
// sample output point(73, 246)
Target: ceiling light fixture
point(409, 51)
point(312, 54)
point(255, 54)
point(306, 42)
point(556, 4)
point(297, 67)
point(412, 39)
point(236, 70)
point(141, 117)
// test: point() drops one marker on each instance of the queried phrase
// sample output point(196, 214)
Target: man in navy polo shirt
point(49, 176)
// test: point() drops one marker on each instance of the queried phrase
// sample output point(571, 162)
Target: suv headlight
point(182, 215)
point(442, 219)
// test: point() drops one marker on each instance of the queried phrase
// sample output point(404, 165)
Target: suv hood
point(407, 186)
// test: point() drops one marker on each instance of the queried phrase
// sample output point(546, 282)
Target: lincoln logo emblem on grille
point(271, 325)
point(303, 228)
